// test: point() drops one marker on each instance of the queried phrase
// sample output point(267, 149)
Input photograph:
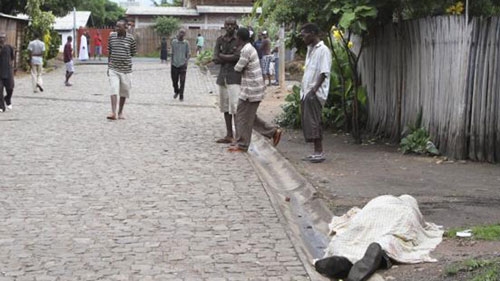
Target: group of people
point(241, 79)
point(241, 82)
point(85, 42)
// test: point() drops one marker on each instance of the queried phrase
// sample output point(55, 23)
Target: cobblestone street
point(151, 197)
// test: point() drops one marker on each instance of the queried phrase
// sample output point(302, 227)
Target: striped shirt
point(121, 49)
point(252, 83)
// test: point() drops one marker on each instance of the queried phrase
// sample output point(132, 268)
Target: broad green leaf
point(347, 19)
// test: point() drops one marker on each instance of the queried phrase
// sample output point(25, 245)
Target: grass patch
point(479, 270)
point(485, 232)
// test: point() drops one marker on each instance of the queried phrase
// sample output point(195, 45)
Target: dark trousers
point(8, 84)
point(246, 120)
point(179, 75)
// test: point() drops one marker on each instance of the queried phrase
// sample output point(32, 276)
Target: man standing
point(36, 48)
point(6, 73)
point(228, 80)
point(121, 48)
point(314, 89)
point(68, 60)
point(200, 41)
point(97, 45)
point(251, 94)
point(180, 57)
point(267, 57)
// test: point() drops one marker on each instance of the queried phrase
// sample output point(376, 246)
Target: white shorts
point(70, 67)
point(121, 84)
point(228, 98)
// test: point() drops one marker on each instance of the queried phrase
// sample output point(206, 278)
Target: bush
point(291, 116)
point(417, 139)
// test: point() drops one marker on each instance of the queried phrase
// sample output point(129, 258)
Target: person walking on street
point(314, 89)
point(121, 49)
point(200, 41)
point(68, 60)
point(251, 94)
point(180, 57)
point(36, 48)
point(97, 45)
point(228, 79)
point(6, 73)
point(163, 50)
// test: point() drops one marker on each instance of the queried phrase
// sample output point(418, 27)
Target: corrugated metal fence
point(148, 41)
point(448, 69)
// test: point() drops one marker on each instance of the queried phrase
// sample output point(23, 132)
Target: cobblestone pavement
point(151, 197)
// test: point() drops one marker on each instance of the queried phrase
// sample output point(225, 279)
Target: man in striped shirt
point(121, 48)
point(251, 94)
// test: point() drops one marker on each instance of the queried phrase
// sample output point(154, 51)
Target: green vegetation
point(485, 232)
point(291, 116)
point(416, 139)
point(103, 12)
point(166, 26)
point(480, 270)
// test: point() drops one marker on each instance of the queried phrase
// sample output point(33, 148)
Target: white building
point(65, 25)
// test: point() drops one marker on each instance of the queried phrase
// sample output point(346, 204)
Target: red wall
point(92, 32)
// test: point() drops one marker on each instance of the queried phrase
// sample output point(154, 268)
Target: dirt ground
point(450, 193)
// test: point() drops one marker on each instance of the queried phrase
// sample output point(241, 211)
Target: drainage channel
point(304, 215)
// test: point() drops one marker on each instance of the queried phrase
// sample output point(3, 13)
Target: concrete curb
point(304, 215)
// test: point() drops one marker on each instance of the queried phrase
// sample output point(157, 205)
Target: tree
point(103, 12)
point(166, 3)
point(57, 7)
point(165, 26)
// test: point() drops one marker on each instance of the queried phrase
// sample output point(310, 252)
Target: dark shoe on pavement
point(112, 116)
point(277, 136)
point(333, 267)
point(176, 95)
point(39, 87)
point(366, 266)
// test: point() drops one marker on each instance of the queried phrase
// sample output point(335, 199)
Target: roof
point(160, 11)
point(225, 9)
point(182, 11)
point(13, 17)
point(66, 22)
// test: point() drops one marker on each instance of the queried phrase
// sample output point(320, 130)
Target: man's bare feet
point(112, 116)
point(121, 117)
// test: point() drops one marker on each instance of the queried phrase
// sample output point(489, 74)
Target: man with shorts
point(267, 57)
point(314, 89)
point(121, 48)
point(226, 54)
point(68, 60)
point(6, 74)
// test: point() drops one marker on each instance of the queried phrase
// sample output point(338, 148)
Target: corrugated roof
point(225, 9)
point(161, 11)
point(18, 17)
point(66, 22)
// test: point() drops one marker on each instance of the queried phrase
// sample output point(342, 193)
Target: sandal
point(277, 136)
point(112, 116)
point(236, 149)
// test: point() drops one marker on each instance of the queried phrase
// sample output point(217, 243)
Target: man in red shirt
point(68, 60)
point(97, 45)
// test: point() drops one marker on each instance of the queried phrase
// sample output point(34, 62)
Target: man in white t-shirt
point(36, 49)
point(314, 89)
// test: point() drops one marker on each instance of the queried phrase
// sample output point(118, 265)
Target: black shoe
point(39, 87)
point(333, 267)
point(176, 95)
point(366, 266)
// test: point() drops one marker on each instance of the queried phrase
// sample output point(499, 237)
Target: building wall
point(14, 30)
point(194, 3)
point(205, 21)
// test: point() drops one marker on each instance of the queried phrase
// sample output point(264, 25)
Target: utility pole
point(74, 32)
point(281, 60)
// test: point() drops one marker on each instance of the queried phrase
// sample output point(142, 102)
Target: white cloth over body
point(84, 53)
point(394, 222)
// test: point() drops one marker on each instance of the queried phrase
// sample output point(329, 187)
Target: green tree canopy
point(104, 12)
point(166, 25)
